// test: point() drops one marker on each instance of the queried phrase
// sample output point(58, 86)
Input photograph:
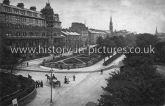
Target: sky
point(141, 16)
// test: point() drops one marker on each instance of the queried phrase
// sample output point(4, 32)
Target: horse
point(48, 77)
point(54, 83)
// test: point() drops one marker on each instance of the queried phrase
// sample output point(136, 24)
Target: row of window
point(10, 33)
point(22, 20)
point(52, 18)
point(20, 11)
point(26, 43)
point(18, 26)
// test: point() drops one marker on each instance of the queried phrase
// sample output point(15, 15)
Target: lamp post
point(51, 85)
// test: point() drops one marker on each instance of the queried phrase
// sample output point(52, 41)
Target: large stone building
point(94, 34)
point(82, 30)
point(72, 39)
point(23, 27)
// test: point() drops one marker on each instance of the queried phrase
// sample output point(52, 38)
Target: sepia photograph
point(82, 52)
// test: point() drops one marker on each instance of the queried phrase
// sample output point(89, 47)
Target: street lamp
point(51, 85)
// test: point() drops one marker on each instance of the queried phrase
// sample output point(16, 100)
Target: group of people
point(39, 84)
point(66, 80)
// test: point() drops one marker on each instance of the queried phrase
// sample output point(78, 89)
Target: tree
point(160, 52)
point(137, 83)
point(134, 85)
point(99, 41)
point(146, 39)
point(130, 40)
point(9, 59)
point(109, 44)
point(119, 41)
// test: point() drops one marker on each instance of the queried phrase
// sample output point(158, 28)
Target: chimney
point(33, 8)
point(7, 2)
point(20, 5)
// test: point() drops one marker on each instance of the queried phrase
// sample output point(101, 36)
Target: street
point(86, 88)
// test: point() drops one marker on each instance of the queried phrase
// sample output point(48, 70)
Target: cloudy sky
point(134, 15)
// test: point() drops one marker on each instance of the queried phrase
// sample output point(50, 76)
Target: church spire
point(111, 25)
point(156, 31)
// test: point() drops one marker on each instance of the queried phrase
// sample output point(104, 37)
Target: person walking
point(74, 77)
point(27, 64)
point(36, 84)
point(65, 80)
point(41, 84)
point(101, 71)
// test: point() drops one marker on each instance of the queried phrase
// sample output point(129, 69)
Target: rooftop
point(70, 33)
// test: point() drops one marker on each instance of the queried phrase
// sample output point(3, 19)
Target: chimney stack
point(7, 2)
point(20, 5)
point(33, 8)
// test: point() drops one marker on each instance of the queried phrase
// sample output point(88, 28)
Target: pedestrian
point(27, 64)
point(101, 71)
point(41, 84)
point(74, 77)
point(36, 84)
point(65, 80)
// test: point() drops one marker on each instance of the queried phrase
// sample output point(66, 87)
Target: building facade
point(23, 27)
point(72, 39)
point(94, 34)
point(82, 30)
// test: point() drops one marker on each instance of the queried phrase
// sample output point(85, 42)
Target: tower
point(53, 24)
point(111, 25)
point(156, 31)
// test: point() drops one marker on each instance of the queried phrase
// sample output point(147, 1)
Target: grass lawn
point(72, 61)
point(84, 59)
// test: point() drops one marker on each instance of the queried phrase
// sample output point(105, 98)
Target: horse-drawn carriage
point(53, 81)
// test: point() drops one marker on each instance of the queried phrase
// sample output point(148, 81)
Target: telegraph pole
point(51, 85)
